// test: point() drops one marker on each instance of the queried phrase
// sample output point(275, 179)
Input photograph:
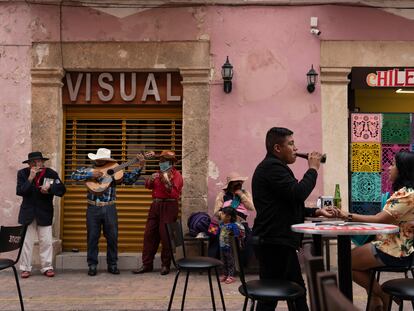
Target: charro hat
point(35, 155)
point(102, 154)
point(168, 154)
point(233, 176)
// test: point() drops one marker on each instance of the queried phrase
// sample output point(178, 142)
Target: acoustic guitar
point(112, 171)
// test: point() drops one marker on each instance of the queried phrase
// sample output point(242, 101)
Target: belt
point(94, 203)
point(164, 200)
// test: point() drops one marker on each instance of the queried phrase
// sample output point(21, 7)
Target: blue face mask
point(165, 166)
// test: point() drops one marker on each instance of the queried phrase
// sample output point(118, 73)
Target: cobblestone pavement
point(75, 290)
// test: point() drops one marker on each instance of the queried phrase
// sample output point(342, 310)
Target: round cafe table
point(344, 231)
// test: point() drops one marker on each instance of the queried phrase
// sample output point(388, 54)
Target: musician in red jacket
point(166, 185)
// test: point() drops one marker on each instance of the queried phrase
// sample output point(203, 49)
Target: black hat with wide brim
point(36, 155)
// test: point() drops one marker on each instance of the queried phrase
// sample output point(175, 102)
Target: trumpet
point(306, 155)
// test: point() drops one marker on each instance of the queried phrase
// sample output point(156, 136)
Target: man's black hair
point(276, 135)
point(404, 161)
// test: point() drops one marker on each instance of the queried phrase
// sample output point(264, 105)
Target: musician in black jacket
point(37, 185)
point(279, 200)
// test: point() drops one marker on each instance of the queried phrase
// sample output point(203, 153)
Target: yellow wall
point(383, 100)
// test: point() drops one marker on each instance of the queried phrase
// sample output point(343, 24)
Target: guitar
point(112, 171)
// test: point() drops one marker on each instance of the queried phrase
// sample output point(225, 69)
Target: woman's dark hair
point(276, 135)
point(230, 211)
point(404, 160)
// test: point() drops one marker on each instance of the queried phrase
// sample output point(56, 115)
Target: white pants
point(44, 233)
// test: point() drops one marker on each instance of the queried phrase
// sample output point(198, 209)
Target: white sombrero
point(102, 154)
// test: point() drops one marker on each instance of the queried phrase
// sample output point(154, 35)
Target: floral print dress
point(401, 206)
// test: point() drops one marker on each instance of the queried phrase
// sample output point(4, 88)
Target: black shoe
point(141, 270)
point(113, 270)
point(92, 270)
point(164, 270)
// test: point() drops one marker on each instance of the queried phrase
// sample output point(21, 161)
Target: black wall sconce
point(227, 74)
point(312, 76)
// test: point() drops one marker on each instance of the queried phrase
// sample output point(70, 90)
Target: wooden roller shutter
point(126, 131)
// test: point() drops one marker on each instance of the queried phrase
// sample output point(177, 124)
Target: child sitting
point(228, 230)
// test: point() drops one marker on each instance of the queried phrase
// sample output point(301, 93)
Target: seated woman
point(233, 195)
point(388, 249)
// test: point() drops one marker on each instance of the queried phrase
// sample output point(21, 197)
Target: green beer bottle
point(337, 197)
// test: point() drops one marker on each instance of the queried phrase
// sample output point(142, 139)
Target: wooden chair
point(265, 290)
point(190, 264)
point(330, 297)
point(11, 239)
point(313, 265)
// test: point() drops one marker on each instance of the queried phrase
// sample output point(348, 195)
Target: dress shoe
point(113, 270)
point(164, 270)
point(143, 269)
point(92, 270)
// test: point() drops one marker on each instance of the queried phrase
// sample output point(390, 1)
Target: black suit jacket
point(36, 205)
point(279, 201)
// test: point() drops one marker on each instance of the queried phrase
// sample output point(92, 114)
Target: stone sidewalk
point(75, 290)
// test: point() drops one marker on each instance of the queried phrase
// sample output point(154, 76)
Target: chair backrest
point(175, 238)
point(239, 262)
point(12, 238)
point(313, 265)
point(331, 298)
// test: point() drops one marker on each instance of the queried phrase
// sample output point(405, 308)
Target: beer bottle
point(337, 197)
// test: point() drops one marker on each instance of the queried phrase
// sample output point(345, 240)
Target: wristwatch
point(350, 216)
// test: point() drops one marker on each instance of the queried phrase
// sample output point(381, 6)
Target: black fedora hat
point(35, 155)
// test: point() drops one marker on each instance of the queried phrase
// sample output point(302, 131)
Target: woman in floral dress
point(388, 249)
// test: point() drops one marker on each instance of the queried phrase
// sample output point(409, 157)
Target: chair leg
point(327, 255)
point(252, 305)
point(18, 288)
point(220, 290)
point(211, 289)
point(173, 289)
point(291, 305)
point(390, 304)
point(185, 289)
point(371, 285)
point(246, 299)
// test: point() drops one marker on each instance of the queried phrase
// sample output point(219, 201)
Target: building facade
point(136, 77)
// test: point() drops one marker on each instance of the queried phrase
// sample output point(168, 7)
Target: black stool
point(402, 289)
point(266, 290)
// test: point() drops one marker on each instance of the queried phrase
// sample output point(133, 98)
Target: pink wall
point(270, 48)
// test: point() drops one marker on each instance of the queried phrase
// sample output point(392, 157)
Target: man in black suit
point(279, 200)
point(37, 185)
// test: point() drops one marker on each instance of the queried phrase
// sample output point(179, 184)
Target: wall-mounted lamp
point(312, 76)
point(227, 74)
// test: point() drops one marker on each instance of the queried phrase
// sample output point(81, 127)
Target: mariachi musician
point(166, 185)
point(101, 210)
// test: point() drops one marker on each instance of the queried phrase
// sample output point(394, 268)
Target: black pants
point(279, 262)
point(107, 218)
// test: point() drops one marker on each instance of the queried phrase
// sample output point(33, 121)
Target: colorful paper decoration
point(366, 187)
point(396, 128)
point(388, 154)
point(366, 127)
point(365, 157)
point(365, 208)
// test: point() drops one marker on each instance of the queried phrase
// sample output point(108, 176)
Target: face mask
point(165, 166)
